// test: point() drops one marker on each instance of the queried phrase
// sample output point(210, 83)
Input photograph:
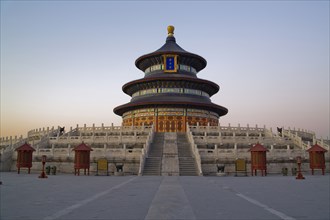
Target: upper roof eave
point(200, 61)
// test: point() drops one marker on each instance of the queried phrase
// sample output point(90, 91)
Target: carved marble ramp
point(170, 159)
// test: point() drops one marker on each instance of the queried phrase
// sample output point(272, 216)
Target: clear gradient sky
point(64, 62)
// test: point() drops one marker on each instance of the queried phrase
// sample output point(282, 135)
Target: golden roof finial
point(170, 30)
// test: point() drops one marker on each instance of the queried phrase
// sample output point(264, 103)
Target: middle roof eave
point(206, 85)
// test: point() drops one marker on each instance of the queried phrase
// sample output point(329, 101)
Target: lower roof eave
point(220, 110)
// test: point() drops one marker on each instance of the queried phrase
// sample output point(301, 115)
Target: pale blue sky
point(64, 63)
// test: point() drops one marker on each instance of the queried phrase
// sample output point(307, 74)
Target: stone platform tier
point(139, 147)
point(222, 145)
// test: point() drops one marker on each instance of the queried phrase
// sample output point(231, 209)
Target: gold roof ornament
point(170, 30)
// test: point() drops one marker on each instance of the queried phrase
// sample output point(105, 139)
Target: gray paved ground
point(131, 197)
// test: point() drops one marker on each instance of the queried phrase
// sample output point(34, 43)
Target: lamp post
point(43, 160)
point(299, 176)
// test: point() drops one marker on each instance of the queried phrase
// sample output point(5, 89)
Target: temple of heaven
point(170, 95)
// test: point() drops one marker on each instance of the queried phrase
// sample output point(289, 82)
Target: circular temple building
point(170, 95)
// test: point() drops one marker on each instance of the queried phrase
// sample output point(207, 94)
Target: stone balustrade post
point(124, 148)
point(216, 150)
point(53, 149)
point(69, 150)
point(104, 150)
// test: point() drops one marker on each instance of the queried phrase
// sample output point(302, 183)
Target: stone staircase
point(153, 162)
point(187, 164)
point(170, 156)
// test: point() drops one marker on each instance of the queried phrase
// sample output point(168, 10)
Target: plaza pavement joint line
point(255, 202)
point(69, 209)
point(273, 211)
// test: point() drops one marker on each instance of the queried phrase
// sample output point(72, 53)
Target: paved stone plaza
point(157, 197)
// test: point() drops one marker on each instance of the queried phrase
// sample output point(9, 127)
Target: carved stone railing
point(297, 140)
point(195, 151)
point(228, 128)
